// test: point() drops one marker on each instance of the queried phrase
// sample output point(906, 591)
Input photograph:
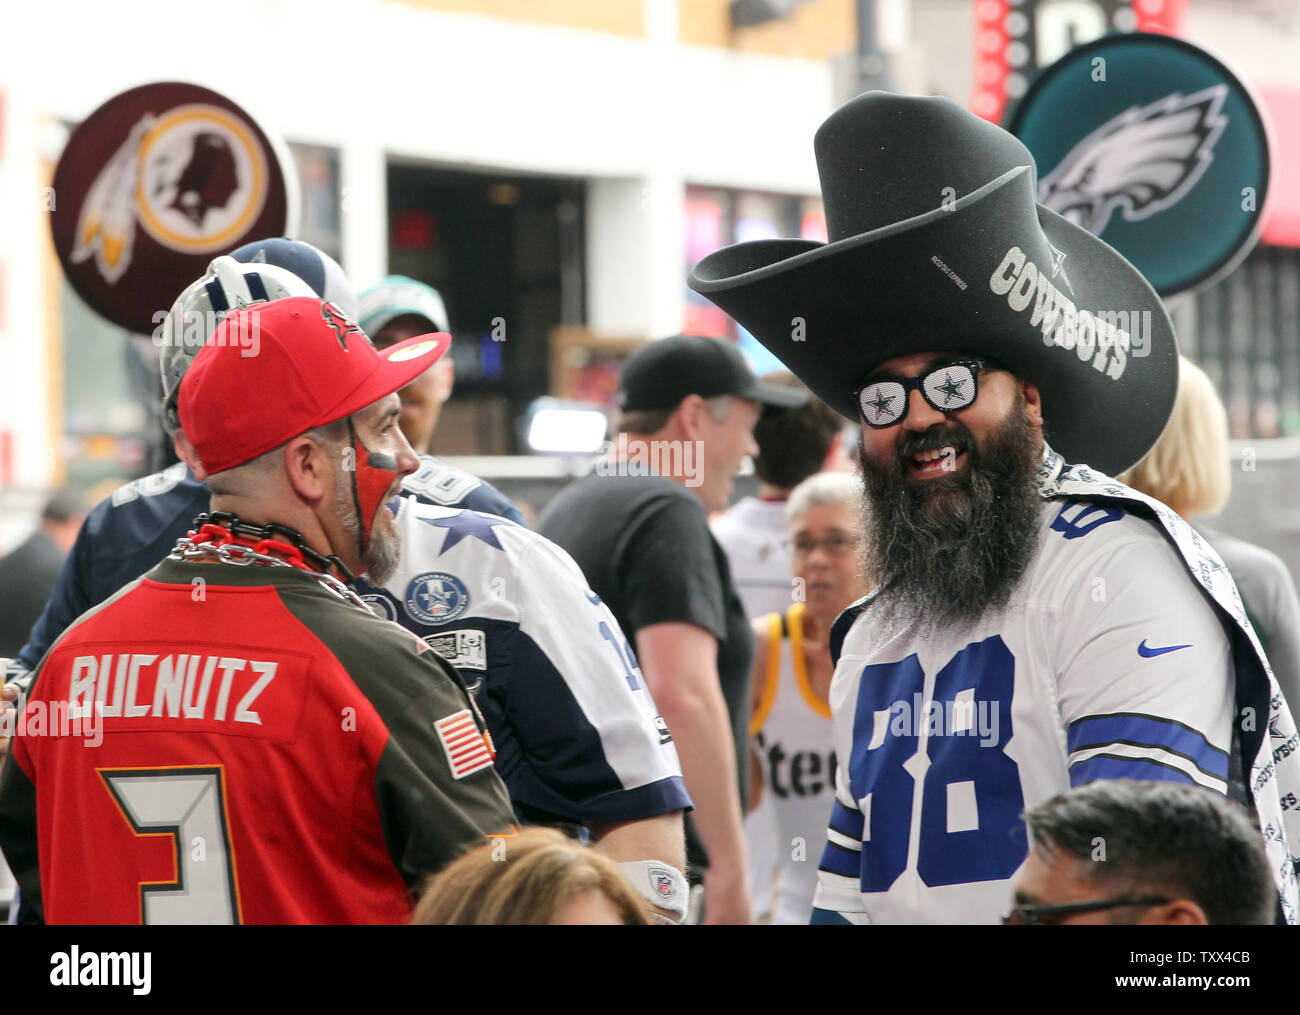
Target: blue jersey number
point(627, 661)
point(971, 798)
point(1086, 518)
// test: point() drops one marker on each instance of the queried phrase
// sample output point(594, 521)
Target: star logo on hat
point(338, 320)
point(1058, 266)
point(1058, 259)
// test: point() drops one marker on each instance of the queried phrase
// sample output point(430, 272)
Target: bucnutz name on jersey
point(947, 736)
point(577, 736)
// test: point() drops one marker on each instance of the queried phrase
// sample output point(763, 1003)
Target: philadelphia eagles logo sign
point(1157, 147)
point(1138, 163)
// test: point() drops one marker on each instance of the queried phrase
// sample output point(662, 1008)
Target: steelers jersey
point(1108, 662)
point(577, 736)
point(793, 727)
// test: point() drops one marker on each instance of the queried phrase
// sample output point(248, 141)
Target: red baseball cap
point(275, 370)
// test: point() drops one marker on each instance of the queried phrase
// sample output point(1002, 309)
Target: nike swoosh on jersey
point(1146, 652)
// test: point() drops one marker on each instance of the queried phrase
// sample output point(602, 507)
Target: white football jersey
point(756, 538)
point(1107, 663)
point(577, 736)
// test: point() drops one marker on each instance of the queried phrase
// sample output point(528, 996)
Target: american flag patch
point(467, 751)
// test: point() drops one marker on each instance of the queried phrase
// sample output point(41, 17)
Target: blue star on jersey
point(466, 524)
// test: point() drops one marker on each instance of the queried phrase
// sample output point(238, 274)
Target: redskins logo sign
point(152, 186)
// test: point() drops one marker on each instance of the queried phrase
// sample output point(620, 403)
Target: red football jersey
point(221, 744)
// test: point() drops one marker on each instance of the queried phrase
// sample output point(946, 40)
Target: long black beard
point(952, 548)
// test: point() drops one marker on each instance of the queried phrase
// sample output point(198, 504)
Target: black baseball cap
point(661, 373)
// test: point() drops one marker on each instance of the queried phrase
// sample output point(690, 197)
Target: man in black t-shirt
point(638, 528)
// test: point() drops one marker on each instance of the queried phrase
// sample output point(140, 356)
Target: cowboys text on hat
point(1101, 335)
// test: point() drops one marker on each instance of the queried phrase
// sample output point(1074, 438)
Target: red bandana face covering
point(372, 478)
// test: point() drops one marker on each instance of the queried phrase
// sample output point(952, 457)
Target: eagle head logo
point(1139, 162)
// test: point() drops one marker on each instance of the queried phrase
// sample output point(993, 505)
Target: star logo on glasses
point(883, 406)
point(950, 388)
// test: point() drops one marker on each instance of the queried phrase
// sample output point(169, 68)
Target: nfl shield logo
point(663, 885)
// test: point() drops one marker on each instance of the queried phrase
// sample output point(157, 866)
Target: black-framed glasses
point(948, 387)
point(1052, 913)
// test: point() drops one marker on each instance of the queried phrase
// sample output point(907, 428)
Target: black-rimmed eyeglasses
point(1052, 913)
point(948, 387)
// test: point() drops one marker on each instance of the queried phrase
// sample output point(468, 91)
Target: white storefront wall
point(637, 117)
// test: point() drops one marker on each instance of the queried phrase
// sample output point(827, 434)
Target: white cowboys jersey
point(577, 736)
point(1107, 663)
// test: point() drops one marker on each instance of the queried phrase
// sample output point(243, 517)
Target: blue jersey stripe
point(1148, 731)
point(838, 860)
point(848, 823)
point(1108, 766)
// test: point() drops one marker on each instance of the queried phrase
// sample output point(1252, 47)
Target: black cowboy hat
point(937, 243)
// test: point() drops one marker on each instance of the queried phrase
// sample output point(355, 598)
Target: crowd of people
point(313, 674)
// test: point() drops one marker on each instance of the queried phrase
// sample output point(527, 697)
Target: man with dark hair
point(1124, 851)
point(1037, 625)
point(792, 445)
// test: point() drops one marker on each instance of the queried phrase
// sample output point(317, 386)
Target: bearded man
point(1037, 625)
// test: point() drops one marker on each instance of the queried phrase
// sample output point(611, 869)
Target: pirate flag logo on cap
point(334, 316)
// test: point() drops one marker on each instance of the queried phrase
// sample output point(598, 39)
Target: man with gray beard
point(976, 338)
point(383, 549)
point(249, 698)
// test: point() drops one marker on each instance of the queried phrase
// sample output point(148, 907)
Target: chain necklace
point(219, 535)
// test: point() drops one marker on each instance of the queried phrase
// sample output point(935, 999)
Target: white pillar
point(666, 211)
point(618, 257)
point(363, 217)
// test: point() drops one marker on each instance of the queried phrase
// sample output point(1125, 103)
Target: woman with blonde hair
point(1188, 470)
point(537, 877)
